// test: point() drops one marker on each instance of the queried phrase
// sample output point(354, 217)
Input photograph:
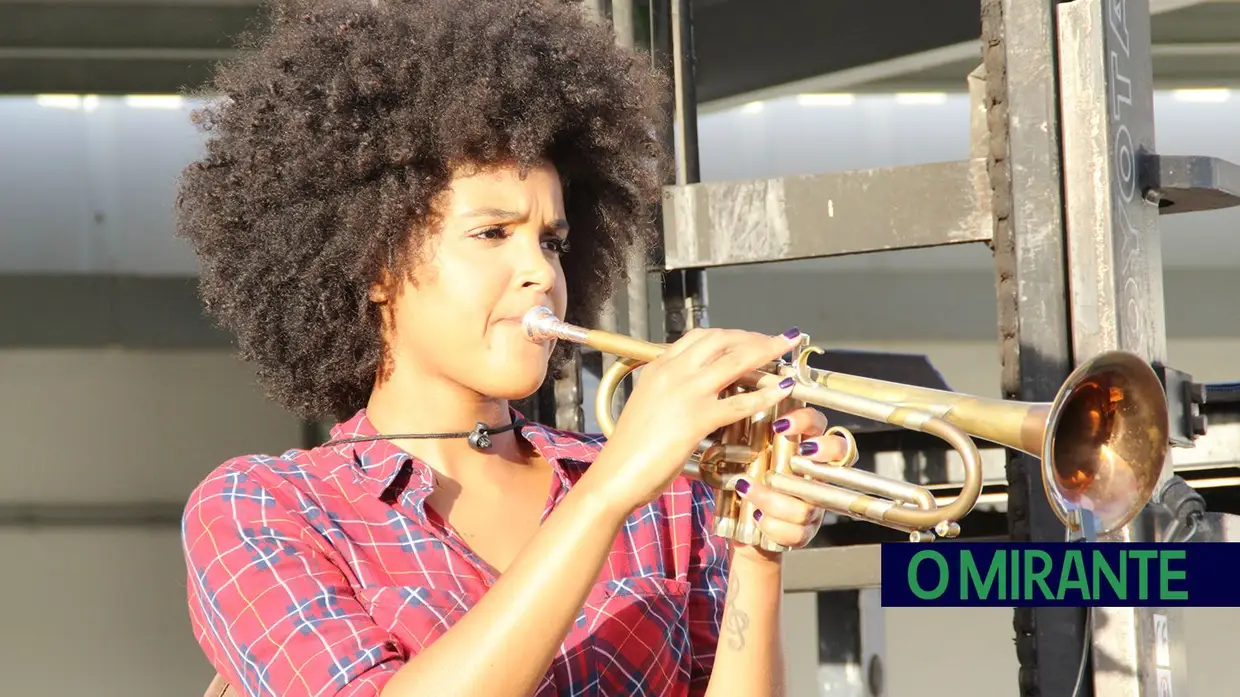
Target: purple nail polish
point(757, 515)
point(742, 486)
point(809, 448)
point(787, 383)
point(781, 425)
point(792, 333)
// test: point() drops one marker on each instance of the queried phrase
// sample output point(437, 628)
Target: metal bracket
point(1184, 401)
point(1183, 510)
point(1188, 183)
point(1222, 401)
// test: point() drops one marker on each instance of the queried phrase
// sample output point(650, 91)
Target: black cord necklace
point(479, 438)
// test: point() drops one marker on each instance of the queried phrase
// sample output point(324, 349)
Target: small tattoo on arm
point(735, 620)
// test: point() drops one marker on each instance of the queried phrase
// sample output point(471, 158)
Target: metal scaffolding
point(1065, 185)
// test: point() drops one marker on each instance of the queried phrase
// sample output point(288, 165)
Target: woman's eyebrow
point(490, 213)
point(559, 224)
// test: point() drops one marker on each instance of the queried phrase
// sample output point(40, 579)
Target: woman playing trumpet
point(387, 189)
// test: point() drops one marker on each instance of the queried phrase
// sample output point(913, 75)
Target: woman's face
point(495, 255)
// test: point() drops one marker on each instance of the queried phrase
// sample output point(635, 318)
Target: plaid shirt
point(321, 572)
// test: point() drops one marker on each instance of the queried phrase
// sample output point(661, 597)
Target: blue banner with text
point(1072, 574)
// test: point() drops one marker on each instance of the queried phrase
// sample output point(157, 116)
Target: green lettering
point(971, 578)
point(1119, 583)
point(915, 586)
point(1038, 577)
point(1143, 572)
point(1166, 575)
point(1076, 567)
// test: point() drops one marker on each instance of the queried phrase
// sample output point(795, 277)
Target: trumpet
point(1102, 441)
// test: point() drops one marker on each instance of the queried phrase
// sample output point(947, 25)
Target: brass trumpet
point(1102, 441)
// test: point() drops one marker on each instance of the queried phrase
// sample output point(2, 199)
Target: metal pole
point(1023, 162)
point(684, 290)
point(1115, 274)
point(599, 10)
point(566, 392)
point(624, 24)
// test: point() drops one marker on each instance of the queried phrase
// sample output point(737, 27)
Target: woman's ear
point(380, 290)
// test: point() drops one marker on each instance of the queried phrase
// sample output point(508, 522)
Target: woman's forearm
point(505, 644)
point(749, 660)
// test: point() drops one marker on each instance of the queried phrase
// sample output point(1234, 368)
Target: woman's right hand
point(676, 403)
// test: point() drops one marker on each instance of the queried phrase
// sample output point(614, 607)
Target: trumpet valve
point(947, 529)
point(779, 448)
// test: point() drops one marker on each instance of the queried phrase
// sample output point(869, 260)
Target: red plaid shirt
point(320, 572)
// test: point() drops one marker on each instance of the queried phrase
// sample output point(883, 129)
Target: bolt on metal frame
point(1063, 183)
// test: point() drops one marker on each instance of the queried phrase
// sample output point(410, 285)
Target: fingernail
point(781, 425)
point(757, 515)
point(742, 486)
point(809, 448)
point(787, 383)
point(792, 333)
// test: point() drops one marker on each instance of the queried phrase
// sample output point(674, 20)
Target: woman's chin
point(516, 379)
point(511, 369)
point(512, 390)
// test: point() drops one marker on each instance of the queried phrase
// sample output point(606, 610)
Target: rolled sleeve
point(271, 611)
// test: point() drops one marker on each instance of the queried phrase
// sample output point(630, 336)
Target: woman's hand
point(676, 403)
point(783, 518)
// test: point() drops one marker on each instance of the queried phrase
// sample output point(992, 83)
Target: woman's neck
point(420, 405)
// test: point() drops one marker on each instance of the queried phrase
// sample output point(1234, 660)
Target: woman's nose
point(536, 268)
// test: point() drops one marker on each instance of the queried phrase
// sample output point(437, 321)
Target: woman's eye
point(491, 233)
point(557, 245)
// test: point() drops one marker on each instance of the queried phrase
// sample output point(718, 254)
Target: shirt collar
point(378, 462)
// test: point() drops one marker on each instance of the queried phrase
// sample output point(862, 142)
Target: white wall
point(103, 611)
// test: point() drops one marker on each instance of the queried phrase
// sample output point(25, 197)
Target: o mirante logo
point(1068, 574)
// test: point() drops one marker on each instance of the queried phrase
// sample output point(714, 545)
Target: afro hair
point(331, 135)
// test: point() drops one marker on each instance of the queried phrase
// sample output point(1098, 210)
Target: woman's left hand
point(783, 518)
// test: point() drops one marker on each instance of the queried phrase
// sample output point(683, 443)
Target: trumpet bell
point(1106, 441)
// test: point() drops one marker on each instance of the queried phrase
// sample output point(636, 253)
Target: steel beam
point(819, 215)
point(124, 25)
point(102, 76)
point(89, 311)
point(1035, 341)
point(1115, 275)
point(832, 568)
point(156, 514)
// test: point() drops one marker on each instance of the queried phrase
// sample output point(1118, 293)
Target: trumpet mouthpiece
point(542, 325)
